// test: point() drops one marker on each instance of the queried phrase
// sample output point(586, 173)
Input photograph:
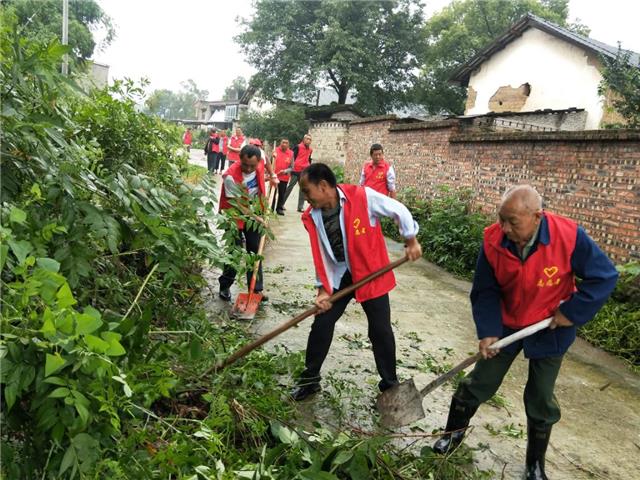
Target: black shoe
point(537, 442)
point(300, 210)
point(279, 212)
point(225, 294)
point(305, 391)
point(264, 298)
point(457, 422)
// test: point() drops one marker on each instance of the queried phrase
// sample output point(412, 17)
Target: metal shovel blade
point(400, 405)
point(246, 305)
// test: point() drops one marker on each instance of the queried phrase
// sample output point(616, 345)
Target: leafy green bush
point(338, 171)
point(101, 238)
point(450, 232)
point(616, 328)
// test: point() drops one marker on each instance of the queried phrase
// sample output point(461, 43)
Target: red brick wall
point(590, 176)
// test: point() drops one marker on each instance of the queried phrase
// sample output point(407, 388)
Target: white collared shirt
point(378, 206)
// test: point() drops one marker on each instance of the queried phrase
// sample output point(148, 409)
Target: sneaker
point(305, 391)
point(300, 210)
point(265, 298)
point(279, 212)
point(225, 294)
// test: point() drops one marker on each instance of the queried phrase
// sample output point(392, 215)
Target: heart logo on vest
point(550, 271)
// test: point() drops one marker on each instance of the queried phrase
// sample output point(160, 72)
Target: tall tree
point(42, 21)
point(176, 105)
point(364, 48)
point(463, 28)
point(236, 89)
point(621, 84)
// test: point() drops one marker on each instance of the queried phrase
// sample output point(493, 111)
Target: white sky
point(169, 41)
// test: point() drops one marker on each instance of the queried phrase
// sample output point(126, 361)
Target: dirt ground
point(598, 436)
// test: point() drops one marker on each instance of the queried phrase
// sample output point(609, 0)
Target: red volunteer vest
point(282, 162)
point(302, 160)
point(365, 246)
point(236, 174)
point(235, 143)
point(215, 148)
point(376, 176)
point(532, 291)
point(187, 138)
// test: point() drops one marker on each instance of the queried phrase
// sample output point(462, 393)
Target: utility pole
point(65, 35)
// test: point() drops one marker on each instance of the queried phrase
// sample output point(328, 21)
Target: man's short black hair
point(374, 147)
point(250, 151)
point(316, 172)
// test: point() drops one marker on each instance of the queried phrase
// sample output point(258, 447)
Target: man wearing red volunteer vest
point(211, 150)
point(378, 174)
point(282, 157)
point(343, 222)
point(245, 177)
point(187, 139)
point(525, 273)
point(236, 142)
point(301, 160)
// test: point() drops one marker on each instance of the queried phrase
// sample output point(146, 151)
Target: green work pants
point(540, 403)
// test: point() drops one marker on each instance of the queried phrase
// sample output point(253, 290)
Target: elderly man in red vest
point(301, 160)
point(245, 177)
point(378, 174)
point(526, 272)
point(343, 222)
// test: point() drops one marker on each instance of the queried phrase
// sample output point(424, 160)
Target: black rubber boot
point(537, 442)
point(457, 422)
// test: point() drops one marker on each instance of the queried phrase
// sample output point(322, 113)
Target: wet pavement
point(598, 436)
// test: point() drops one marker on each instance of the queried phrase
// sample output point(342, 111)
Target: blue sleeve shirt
point(597, 278)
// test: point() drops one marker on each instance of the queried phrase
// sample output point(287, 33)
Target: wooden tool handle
point(263, 241)
point(295, 320)
point(514, 337)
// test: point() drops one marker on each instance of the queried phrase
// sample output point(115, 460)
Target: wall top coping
point(425, 125)
point(577, 136)
point(377, 118)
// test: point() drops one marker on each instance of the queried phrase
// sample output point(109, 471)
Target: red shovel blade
point(246, 305)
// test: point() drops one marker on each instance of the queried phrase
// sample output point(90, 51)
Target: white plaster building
point(538, 65)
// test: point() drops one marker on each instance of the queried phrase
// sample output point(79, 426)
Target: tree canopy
point(41, 20)
point(463, 28)
point(236, 89)
point(364, 48)
point(176, 105)
point(281, 122)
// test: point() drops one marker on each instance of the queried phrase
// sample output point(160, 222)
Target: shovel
point(247, 304)
point(296, 320)
point(402, 404)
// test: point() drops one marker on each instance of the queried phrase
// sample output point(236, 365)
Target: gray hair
point(526, 195)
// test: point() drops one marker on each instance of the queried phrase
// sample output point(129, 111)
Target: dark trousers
point(278, 199)
point(252, 240)
point(540, 403)
point(295, 178)
point(220, 161)
point(380, 333)
point(212, 162)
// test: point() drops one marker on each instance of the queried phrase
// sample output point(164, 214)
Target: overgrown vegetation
point(104, 337)
point(450, 232)
point(621, 81)
point(616, 328)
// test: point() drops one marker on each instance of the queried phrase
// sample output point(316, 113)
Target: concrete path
point(598, 436)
